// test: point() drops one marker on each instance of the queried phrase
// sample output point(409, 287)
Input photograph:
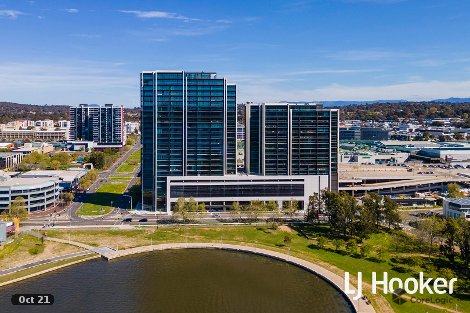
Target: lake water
point(182, 281)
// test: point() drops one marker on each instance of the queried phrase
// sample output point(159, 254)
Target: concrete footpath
point(50, 260)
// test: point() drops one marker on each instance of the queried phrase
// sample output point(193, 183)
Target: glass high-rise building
point(188, 129)
point(97, 123)
point(292, 139)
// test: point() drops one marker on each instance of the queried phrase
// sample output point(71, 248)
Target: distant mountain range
point(344, 103)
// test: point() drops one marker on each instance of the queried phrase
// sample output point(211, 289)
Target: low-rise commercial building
point(219, 192)
point(39, 193)
point(374, 158)
point(457, 208)
point(36, 135)
point(350, 133)
point(68, 179)
point(39, 147)
point(10, 160)
point(446, 154)
point(374, 133)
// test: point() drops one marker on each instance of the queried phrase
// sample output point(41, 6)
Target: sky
point(71, 52)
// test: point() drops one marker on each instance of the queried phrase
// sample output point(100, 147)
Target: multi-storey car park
point(38, 193)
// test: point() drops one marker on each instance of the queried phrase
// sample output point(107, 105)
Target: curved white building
point(39, 193)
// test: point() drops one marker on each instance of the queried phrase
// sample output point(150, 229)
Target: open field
point(99, 203)
point(27, 249)
point(302, 244)
point(42, 268)
point(130, 164)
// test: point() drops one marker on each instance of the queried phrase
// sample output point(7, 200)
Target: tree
point(63, 158)
point(55, 165)
point(272, 205)
point(458, 136)
point(365, 249)
point(365, 223)
point(236, 209)
point(373, 203)
point(390, 213)
point(430, 228)
point(191, 205)
point(351, 246)
point(321, 242)
point(338, 243)
point(87, 180)
point(201, 208)
point(18, 209)
point(290, 206)
point(98, 159)
point(453, 191)
point(315, 207)
point(463, 240)
point(130, 141)
point(450, 232)
point(287, 240)
point(255, 208)
point(180, 208)
point(68, 196)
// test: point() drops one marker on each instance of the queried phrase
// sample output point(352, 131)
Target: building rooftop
point(25, 181)
point(7, 154)
point(460, 201)
point(64, 175)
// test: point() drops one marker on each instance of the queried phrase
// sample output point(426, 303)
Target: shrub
point(321, 242)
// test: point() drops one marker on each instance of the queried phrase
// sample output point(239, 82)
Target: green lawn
point(99, 203)
point(40, 268)
point(125, 168)
point(130, 164)
point(134, 157)
point(120, 178)
point(273, 239)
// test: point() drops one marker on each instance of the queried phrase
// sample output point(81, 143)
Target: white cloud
point(265, 91)
point(159, 14)
point(333, 71)
point(367, 55)
point(88, 36)
point(73, 11)
point(10, 13)
point(69, 83)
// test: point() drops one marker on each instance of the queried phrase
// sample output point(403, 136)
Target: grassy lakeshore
point(44, 268)
point(270, 238)
point(27, 249)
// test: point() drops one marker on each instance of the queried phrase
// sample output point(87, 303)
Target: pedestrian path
point(50, 260)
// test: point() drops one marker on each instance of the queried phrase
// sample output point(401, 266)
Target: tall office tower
point(292, 139)
point(100, 124)
point(188, 129)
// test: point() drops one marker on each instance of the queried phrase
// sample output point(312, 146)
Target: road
point(69, 214)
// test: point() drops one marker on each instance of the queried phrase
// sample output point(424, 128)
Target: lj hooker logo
point(398, 287)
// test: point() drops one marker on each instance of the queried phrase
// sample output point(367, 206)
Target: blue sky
point(71, 52)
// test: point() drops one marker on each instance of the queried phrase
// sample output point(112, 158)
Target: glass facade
point(292, 139)
point(188, 129)
point(102, 124)
point(253, 142)
point(245, 190)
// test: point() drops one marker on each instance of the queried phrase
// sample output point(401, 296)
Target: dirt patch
point(286, 229)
